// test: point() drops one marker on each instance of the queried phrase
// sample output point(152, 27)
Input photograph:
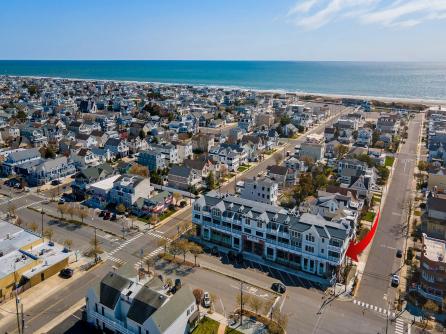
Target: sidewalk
point(40, 292)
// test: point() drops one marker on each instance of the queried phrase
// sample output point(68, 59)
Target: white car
point(206, 299)
point(395, 281)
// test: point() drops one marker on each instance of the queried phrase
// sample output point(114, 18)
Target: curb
point(61, 317)
point(238, 279)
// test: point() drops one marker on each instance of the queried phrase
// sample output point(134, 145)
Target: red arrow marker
point(354, 250)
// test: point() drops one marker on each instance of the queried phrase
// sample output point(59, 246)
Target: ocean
point(413, 80)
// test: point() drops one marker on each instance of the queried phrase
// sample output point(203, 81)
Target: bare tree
point(149, 263)
point(198, 294)
point(184, 247)
point(33, 227)
point(11, 209)
point(71, 210)
point(278, 158)
point(163, 243)
point(68, 243)
point(255, 303)
point(83, 213)
point(62, 208)
point(48, 233)
point(195, 250)
point(19, 221)
point(177, 197)
point(175, 248)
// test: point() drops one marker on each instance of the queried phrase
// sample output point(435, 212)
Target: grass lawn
point(241, 169)
point(206, 326)
point(369, 216)
point(389, 161)
point(229, 330)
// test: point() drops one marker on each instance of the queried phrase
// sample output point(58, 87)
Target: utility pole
point(23, 319)
point(17, 302)
point(241, 304)
point(95, 245)
point(42, 214)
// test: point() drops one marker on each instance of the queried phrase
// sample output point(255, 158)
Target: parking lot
point(224, 288)
point(285, 277)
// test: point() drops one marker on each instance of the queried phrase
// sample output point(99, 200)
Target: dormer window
point(216, 212)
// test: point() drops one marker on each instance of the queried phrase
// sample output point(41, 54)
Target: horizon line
point(234, 60)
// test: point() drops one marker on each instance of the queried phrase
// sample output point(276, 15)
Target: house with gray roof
point(17, 158)
point(42, 171)
point(269, 233)
point(129, 305)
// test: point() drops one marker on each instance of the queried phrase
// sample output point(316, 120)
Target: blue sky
point(224, 29)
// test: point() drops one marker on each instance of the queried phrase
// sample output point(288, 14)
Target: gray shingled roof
point(110, 289)
point(145, 303)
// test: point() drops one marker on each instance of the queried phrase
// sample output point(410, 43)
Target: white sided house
point(132, 306)
point(268, 233)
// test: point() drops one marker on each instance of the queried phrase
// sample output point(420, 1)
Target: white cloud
point(312, 14)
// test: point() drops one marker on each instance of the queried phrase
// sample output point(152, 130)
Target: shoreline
point(415, 100)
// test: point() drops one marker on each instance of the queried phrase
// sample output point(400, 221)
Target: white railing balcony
point(113, 324)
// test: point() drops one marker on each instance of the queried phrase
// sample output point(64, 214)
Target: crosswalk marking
point(116, 260)
point(399, 327)
point(151, 254)
point(373, 308)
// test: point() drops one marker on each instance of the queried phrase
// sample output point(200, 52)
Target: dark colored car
point(399, 253)
point(214, 251)
point(113, 217)
point(232, 255)
point(240, 257)
point(107, 215)
point(66, 273)
point(102, 213)
point(55, 182)
point(178, 283)
point(278, 287)
point(206, 249)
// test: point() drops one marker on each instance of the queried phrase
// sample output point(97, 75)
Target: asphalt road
point(382, 262)
point(123, 251)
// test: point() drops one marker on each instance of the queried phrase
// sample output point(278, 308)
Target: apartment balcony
point(113, 324)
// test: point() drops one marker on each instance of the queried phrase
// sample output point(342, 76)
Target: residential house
point(202, 142)
point(436, 206)
point(262, 190)
point(84, 157)
point(184, 178)
point(201, 166)
point(88, 176)
point(433, 270)
point(388, 124)
point(42, 171)
point(127, 189)
point(284, 176)
point(261, 231)
point(364, 137)
point(18, 158)
point(132, 306)
point(152, 159)
point(437, 179)
point(117, 147)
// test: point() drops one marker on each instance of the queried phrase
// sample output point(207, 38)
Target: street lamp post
point(42, 213)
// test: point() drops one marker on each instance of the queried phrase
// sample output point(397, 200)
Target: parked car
point(395, 281)
point(214, 251)
point(55, 182)
point(232, 255)
point(206, 299)
point(178, 283)
point(278, 287)
point(102, 213)
point(240, 257)
point(113, 217)
point(107, 215)
point(399, 253)
point(61, 200)
point(66, 273)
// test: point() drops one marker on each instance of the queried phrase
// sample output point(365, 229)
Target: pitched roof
point(110, 289)
point(182, 171)
point(145, 303)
